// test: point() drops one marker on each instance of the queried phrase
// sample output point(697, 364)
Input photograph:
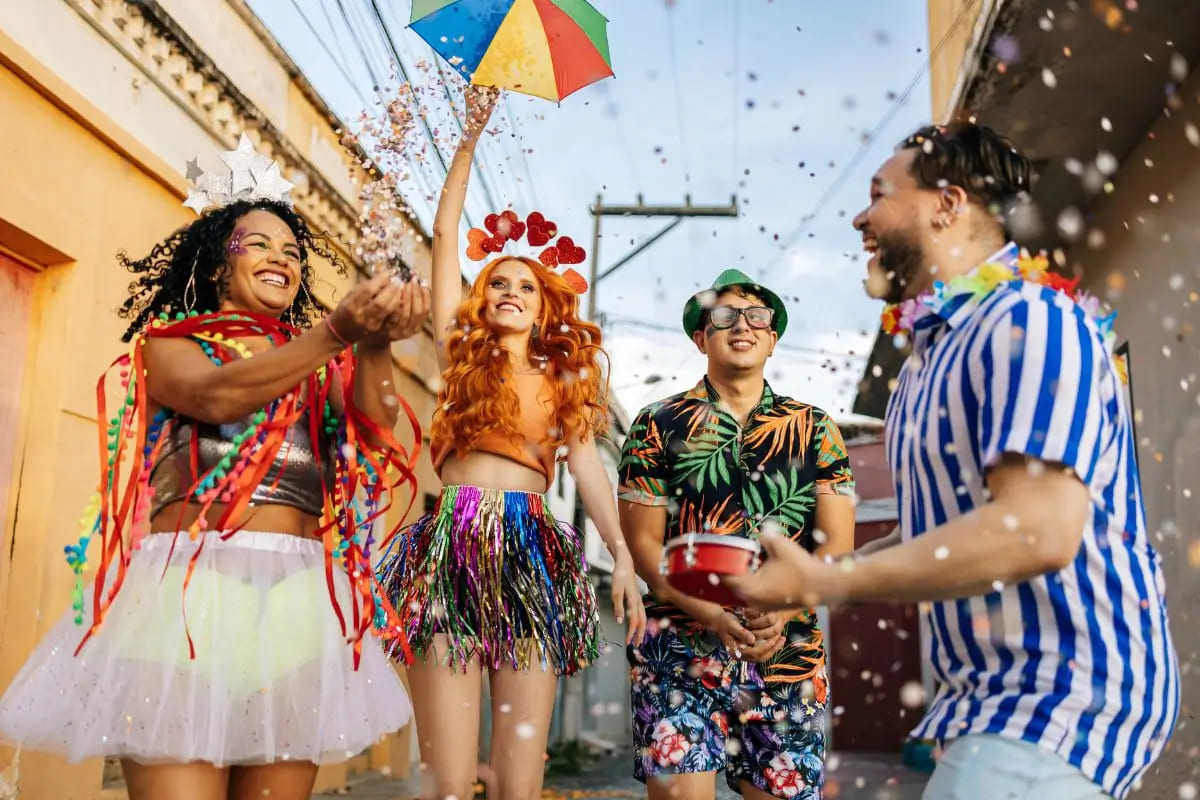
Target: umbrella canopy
point(546, 48)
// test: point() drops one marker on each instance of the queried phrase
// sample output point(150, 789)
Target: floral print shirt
point(689, 453)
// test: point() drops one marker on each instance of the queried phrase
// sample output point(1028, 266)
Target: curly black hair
point(201, 247)
point(984, 163)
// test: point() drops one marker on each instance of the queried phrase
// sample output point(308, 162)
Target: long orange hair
point(477, 398)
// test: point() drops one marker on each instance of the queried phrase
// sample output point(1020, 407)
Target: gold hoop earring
point(191, 285)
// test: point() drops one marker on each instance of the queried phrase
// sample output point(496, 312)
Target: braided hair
point(187, 270)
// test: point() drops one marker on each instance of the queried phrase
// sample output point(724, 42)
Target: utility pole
point(599, 211)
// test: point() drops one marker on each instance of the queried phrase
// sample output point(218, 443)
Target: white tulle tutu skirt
point(273, 678)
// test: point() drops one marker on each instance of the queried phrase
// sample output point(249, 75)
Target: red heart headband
point(506, 226)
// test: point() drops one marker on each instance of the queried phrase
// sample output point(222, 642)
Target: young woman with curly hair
point(490, 581)
point(211, 662)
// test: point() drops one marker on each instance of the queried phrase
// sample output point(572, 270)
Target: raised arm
point(447, 269)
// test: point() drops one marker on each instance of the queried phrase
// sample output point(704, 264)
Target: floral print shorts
point(698, 709)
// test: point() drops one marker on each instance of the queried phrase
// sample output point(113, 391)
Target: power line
point(333, 29)
point(324, 46)
point(687, 173)
point(395, 45)
point(425, 124)
point(358, 45)
point(871, 137)
point(420, 113)
point(737, 96)
point(377, 41)
point(484, 181)
point(683, 142)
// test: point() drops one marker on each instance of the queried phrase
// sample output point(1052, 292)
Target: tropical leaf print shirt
point(689, 453)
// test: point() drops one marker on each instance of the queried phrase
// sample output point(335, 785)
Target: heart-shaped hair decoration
point(569, 252)
point(505, 226)
point(577, 282)
point(480, 244)
point(499, 229)
point(541, 230)
point(475, 239)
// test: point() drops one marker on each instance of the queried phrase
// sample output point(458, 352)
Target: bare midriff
point(268, 518)
point(491, 471)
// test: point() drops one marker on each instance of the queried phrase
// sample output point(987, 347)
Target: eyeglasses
point(757, 317)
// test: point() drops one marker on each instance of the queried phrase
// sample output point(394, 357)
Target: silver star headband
point(252, 176)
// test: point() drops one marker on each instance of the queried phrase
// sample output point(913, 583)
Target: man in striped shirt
point(1022, 529)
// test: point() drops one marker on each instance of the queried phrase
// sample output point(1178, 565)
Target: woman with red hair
point(489, 580)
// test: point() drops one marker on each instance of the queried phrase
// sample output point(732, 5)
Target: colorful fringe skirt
point(494, 572)
point(272, 679)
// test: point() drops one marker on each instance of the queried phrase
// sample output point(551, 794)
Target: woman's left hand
point(406, 316)
point(626, 599)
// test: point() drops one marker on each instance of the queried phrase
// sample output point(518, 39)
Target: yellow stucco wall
point(78, 187)
point(951, 28)
point(86, 201)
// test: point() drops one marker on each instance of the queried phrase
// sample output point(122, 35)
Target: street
point(851, 776)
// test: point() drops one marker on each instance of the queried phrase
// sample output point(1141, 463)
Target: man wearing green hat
point(713, 690)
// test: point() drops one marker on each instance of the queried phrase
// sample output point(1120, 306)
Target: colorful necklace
point(900, 318)
point(370, 469)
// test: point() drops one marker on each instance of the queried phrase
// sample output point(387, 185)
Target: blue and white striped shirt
point(1079, 662)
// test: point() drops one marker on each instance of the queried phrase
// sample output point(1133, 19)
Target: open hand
point(481, 101)
point(627, 600)
point(365, 309)
point(407, 315)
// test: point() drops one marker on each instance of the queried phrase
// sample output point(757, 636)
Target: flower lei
point(900, 318)
point(365, 475)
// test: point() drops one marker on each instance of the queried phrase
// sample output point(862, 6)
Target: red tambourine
point(695, 562)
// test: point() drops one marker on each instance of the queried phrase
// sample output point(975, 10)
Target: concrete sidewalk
point(851, 776)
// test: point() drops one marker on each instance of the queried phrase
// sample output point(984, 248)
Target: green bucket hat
point(694, 310)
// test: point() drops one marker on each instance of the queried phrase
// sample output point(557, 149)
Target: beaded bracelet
point(337, 335)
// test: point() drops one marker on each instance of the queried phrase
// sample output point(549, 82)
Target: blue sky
point(766, 99)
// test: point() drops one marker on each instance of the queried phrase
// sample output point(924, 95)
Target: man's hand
point(789, 577)
point(730, 631)
point(768, 629)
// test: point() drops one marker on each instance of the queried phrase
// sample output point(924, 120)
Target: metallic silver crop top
point(294, 479)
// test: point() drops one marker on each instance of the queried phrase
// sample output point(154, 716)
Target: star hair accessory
point(252, 176)
point(500, 229)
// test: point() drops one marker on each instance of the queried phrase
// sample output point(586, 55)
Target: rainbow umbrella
point(546, 48)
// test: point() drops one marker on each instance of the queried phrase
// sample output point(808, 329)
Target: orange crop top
point(534, 449)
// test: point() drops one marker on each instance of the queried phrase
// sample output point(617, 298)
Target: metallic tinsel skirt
point(496, 573)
